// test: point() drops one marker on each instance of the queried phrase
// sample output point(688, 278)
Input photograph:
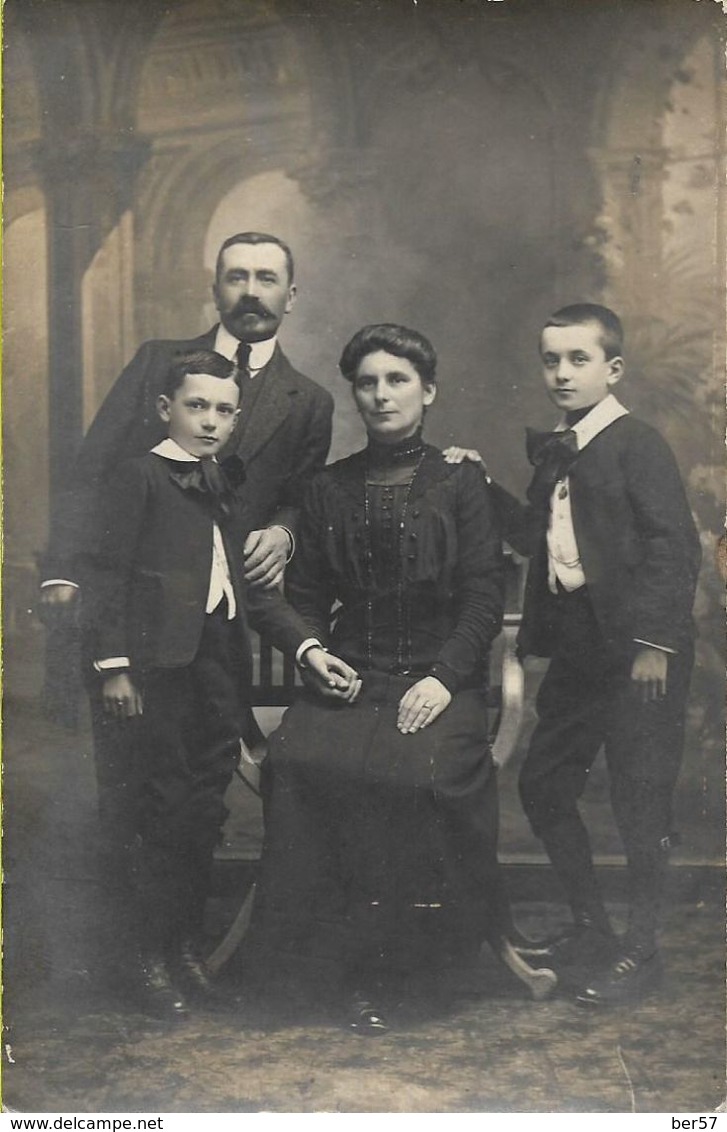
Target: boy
point(166, 611)
point(614, 561)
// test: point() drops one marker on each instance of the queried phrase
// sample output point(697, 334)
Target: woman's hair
point(197, 361)
point(397, 340)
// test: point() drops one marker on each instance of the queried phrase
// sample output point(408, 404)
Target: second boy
point(614, 561)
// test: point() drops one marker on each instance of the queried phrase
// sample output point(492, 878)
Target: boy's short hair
point(612, 335)
point(198, 361)
point(255, 238)
point(394, 339)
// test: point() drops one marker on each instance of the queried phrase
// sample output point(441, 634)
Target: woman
point(381, 813)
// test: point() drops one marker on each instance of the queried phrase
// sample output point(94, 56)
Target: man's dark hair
point(198, 361)
point(612, 335)
point(394, 339)
point(256, 238)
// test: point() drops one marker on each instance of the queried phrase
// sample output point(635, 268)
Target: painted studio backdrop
point(460, 166)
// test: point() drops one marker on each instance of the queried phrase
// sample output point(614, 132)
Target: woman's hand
point(421, 705)
point(330, 676)
point(121, 698)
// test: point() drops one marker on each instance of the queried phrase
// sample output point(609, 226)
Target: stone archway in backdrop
point(227, 92)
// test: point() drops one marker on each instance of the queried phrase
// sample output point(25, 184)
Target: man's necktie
point(242, 358)
point(242, 361)
point(551, 454)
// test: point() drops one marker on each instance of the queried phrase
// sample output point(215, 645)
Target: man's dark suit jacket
point(637, 540)
point(146, 572)
point(283, 445)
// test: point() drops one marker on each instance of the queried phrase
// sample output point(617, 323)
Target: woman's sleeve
point(479, 582)
point(309, 584)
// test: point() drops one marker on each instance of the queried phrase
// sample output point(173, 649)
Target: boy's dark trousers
point(168, 807)
point(587, 700)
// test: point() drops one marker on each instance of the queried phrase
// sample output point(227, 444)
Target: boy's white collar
point(600, 417)
point(170, 450)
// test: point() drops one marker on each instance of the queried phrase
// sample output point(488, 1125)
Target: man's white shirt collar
point(170, 450)
point(260, 352)
point(600, 417)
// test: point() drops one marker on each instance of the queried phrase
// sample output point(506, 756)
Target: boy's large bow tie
point(541, 446)
point(552, 454)
point(212, 479)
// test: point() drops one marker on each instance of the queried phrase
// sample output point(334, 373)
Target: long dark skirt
point(381, 848)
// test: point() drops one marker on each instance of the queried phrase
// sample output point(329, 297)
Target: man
point(282, 440)
point(285, 429)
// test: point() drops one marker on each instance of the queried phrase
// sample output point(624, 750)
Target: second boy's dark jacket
point(283, 445)
point(637, 541)
point(146, 571)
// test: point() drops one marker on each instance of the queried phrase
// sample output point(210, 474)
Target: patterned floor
point(479, 1048)
point(478, 1045)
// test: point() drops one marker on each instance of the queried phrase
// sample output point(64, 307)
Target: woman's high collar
point(407, 451)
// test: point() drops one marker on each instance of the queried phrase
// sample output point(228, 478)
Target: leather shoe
point(365, 1018)
point(158, 994)
point(196, 979)
point(631, 975)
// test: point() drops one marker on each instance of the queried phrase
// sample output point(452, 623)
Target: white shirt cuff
point(651, 645)
point(112, 662)
point(308, 643)
point(59, 582)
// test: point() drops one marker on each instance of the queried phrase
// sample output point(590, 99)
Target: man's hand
point(648, 673)
point(121, 699)
point(330, 676)
point(266, 553)
point(58, 604)
point(456, 455)
point(421, 705)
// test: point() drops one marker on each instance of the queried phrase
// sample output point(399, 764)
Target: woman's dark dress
point(381, 847)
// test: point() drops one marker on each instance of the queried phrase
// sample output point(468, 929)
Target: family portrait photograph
point(364, 561)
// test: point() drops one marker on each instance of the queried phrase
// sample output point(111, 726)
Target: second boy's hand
point(455, 455)
point(649, 672)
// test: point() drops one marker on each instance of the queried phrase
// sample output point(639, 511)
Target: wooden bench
point(275, 685)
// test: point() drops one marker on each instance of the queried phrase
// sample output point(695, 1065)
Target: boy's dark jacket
point(637, 540)
point(284, 445)
point(146, 572)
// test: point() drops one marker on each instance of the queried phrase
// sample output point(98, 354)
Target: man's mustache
point(248, 304)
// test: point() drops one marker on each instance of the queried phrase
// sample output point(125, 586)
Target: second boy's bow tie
point(552, 454)
point(541, 446)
